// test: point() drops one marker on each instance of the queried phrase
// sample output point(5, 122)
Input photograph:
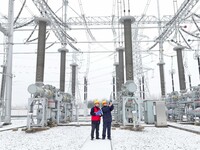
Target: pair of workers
point(96, 114)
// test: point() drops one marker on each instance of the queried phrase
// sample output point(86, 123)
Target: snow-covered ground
point(58, 138)
point(17, 122)
point(78, 138)
point(185, 126)
point(155, 139)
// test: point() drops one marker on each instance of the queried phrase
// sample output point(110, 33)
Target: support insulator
point(181, 70)
point(120, 51)
point(63, 52)
point(43, 22)
point(127, 21)
point(162, 78)
point(74, 65)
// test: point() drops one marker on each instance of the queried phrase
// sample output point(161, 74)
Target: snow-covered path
point(97, 144)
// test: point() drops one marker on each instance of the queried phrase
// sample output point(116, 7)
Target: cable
point(195, 23)
point(124, 7)
point(30, 12)
point(184, 39)
point(20, 11)
point(23, 25)
point(27, 40)
point(129, 10)
point(190, 33)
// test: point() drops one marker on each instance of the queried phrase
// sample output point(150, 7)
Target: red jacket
point(93, 115)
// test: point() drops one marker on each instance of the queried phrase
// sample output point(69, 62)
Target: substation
point(38, 36)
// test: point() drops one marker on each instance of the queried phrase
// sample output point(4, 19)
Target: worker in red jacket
point(95, 117)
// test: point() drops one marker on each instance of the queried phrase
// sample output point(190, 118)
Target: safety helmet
point(104, 102)
point(96, 101)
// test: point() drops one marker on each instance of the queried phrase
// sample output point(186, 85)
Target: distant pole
point(143, 87)
point(85, 89)
point(85, 96)
point(172, 76)
point(181, 71)
point(140, 87)
point(9, 75)
point(198, 59)
point(117, 78)
point(63, 52)
point(113, 87)
point(190, 82)
point(127, 21)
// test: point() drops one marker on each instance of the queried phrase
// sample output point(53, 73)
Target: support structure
point(74, 66)
point(127, 21)
point(8, 94)
point(43, 22)
point(121, 66)
point(73, 87)
point(181, 71)
point(2, 93)
point(63, 52)
point(161, 56)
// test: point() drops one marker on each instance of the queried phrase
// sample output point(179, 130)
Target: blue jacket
point(107, 117)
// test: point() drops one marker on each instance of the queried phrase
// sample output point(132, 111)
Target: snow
point(153, 138)
point(97, 144)
point(57, 138)
point(15, 123)
point(78, 138)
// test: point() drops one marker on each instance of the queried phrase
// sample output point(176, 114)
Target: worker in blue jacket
point(107, 118)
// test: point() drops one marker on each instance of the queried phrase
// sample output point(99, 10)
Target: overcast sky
point(101, 64)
